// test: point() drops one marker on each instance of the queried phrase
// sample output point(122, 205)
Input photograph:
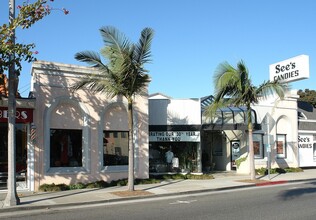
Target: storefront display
point(24, 117)
point(173, 151)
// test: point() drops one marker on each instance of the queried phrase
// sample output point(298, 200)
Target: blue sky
point(192, 37)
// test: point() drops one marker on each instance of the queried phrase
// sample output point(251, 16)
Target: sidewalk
point(221, 181)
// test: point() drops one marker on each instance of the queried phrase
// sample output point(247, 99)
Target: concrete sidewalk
point(221, 181)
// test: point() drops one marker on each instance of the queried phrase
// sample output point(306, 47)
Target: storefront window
point(115, 148)
point(21, 151)
point(65, 148)
point(258, 145)
point(217, 144)
point(281, 146)
point(172, 157)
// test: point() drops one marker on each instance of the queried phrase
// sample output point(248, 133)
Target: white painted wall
point(166, 111)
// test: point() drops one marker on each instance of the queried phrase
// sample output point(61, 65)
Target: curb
point(27, 207)
point(272, 183)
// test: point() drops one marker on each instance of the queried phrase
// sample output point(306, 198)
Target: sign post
point(268, 149)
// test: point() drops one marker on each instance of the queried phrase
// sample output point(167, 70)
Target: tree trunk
point(130, 146)
point(250, 143)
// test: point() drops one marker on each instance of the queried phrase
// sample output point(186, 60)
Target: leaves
point(308, 96)
point(28, 15)
point(235, 84)
point(124, 73)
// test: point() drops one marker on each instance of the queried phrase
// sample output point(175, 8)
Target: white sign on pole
point(268, 139)
point(290, 70)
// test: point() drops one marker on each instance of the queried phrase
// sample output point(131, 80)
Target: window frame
point(86, 167)
point(117, 134)
point(67, 132)
point(281, 138)
point(261, 146)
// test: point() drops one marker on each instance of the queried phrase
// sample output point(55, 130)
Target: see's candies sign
point(290, 70)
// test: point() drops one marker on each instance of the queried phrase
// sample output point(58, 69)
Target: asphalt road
point(287, 201)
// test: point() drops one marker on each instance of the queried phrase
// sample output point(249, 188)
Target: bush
point(264, 171)
point(53, 188)
point(121, 182)
point(200, 177)
point(147, 181)
point(77, 186)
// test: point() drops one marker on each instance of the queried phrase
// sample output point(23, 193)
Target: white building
point(220, 142)
point(66, 136)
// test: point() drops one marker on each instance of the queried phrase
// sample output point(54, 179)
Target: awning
point(228, 118)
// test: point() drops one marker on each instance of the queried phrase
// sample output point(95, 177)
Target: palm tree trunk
point(130, 146)
point(250, 142)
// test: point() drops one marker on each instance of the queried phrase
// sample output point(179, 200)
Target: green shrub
point(101, 184)
point(53, 188)
point(264, 171)
point(200, 177)
point(77, 186)
point(45, 187)
point(147, 181)
point(293, 169)
point(174, 177)
point(121, 182)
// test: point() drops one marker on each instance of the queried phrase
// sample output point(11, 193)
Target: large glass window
point(258, 145)
point(65, 148)
point(281, 146)
point(173, 157)
point(21, 151)
point(115, 148)
point(217, 144)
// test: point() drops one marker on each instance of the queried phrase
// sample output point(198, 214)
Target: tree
point(233, 87)
point(307, 96)
point(11, 56)
point(29, 14)
point(124, 74)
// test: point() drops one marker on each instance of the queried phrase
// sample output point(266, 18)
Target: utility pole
point(12, 198)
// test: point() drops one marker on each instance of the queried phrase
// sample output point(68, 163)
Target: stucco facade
point(91, 121)
point(275, 134)
point(279, 123)
point(79, 136)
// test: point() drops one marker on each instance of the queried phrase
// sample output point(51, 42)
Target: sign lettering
point(290, 70)
point(174, 136)
point(22, 115)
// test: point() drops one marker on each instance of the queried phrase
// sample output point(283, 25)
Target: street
point(287, 201)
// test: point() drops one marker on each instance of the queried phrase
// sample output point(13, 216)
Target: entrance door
point(235, 152)
point(21, 152)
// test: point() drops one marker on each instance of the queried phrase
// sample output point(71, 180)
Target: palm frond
point(124, 73)
point(90, 57)
point(116, 41)
point(225, 76)
point(142, 49)
point(211, 110)
point(268, 88)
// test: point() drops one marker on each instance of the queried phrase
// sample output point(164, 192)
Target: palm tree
point(124, 74)
point(233, 87)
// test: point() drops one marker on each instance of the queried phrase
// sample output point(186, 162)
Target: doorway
point(21, 153)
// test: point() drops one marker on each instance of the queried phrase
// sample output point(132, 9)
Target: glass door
point(21, 152)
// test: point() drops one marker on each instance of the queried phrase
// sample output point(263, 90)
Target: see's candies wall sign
point(290, 70)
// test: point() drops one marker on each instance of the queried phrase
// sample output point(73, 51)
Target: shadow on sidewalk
point(272, 176)
point(164, 184)
point(52, 195)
